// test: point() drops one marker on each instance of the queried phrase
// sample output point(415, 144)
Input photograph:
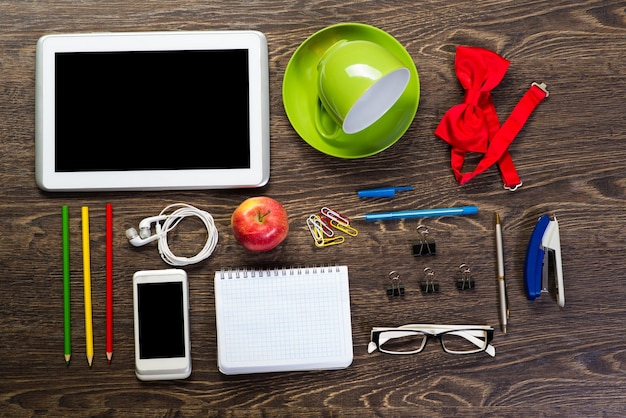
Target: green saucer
point(300, 94)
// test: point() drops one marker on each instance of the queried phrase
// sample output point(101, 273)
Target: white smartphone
point(161, 312)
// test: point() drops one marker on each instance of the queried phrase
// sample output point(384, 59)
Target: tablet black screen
point(152, 110)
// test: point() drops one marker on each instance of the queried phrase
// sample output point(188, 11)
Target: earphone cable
point(182, 211)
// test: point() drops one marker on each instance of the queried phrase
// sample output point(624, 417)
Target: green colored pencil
point(66, 284)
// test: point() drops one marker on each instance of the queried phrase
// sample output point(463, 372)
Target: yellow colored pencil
point(87, 285)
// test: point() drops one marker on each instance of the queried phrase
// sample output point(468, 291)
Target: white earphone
point(170, 221)
point(145, 231)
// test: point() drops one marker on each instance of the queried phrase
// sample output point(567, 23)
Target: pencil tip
point(89, 360)
point(497, 218)
point(109, 357)
point(67, 359)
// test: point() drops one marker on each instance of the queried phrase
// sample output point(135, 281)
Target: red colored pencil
point(109, 282)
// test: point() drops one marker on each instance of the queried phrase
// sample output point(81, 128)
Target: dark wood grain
point(571, 156)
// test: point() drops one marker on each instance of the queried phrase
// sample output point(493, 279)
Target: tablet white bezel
point(256, 175)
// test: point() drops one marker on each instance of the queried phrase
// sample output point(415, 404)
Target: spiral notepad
point(285, 319)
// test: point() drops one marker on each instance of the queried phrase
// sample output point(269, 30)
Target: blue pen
point(419, 213)
point(383, 191)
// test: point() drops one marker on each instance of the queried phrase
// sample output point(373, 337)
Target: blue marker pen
point(418, 213)
point(383, 191)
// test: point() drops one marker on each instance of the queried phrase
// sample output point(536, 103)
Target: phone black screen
point(161, 320)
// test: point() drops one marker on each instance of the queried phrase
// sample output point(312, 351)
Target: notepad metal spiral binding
point(236, 273)
point(283, 319)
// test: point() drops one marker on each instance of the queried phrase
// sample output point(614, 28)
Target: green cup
point(359, 81)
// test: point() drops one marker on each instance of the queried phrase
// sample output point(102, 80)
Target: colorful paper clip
point(334, 216)
point(338, 221)
point(320, 225)
point(344, 228)
point(544, 244)
point(326, 242)
point(323, 225)
point(318, 228)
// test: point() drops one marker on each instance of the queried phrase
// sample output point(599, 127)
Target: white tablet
point(152, 111)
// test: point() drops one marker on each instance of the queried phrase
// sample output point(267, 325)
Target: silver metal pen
point(504, 302)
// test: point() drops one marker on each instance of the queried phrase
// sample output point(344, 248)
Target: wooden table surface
point(571, 156)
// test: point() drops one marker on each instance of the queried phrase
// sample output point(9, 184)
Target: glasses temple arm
point(490, 349)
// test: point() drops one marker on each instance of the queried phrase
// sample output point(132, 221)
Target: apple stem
point(261, 216)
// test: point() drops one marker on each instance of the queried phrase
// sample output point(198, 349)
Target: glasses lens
point(401, 342)
point(464, 341)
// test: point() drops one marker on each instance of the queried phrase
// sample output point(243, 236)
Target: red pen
point(109, 282)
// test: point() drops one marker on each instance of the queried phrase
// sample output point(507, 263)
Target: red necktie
point(473, 126)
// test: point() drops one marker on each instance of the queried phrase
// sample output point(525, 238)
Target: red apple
point(260, 223)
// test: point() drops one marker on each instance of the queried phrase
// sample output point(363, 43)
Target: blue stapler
point(544, 242)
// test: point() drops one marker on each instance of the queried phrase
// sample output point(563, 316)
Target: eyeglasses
point(411, 339)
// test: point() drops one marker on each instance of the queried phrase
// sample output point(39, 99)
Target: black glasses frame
point(375, 338)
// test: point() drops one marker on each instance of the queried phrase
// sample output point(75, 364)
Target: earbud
point(145, 234)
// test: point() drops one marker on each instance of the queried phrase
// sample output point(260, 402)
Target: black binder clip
point(396, 289)
point(425, 246)
point(429, 285)
point(466, 282)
